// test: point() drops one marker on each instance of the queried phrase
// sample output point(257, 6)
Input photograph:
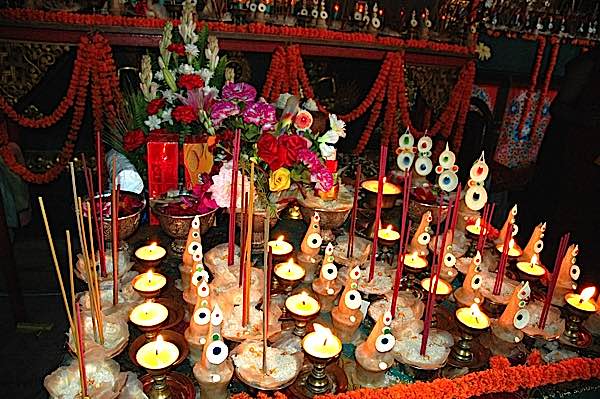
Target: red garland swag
point(93, 64)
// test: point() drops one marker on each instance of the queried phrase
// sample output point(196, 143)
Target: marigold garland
point(500, 378)
point(93, 64)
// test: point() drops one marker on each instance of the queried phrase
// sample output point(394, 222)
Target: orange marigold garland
point(93, 63)
point(500, 378)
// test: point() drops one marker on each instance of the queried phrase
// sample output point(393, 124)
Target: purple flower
point(238, 91)
point(260, 114)
point(319, 174)
point(222, 110)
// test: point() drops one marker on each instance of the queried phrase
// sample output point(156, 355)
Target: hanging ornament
point(405, 151)
point(447, 170)
point(423, 165)
point(476, 196)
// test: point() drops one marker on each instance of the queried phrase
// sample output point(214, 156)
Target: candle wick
point(580, 300)
point(304, 303)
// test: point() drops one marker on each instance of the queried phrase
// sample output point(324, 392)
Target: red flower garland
point(534, 77)
point(93, 63)
point(501, 377)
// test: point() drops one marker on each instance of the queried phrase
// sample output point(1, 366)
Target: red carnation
point(290, 145)
point(177, 48)
point(133, 140)
point(268, 151)
point(190, 82)
point(184, 113)
point(155, 105)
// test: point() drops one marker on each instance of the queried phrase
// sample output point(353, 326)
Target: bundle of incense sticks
point(248, 252)
point(404, 236)
point(72, 308)
point(88, 259)
point(435, 277)
point(243, 223)
point(380, 184)
point(350, 250)
point(560, 254)
point(503, 261)
point(93, 212)
point(233, 199)
point(114, 214)
point(101, 243)
point(267, 260)
point(485, 226)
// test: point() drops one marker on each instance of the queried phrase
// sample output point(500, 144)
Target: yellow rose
point(279, 180)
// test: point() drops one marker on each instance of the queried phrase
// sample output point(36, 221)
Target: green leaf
point(218, 79)
point(201, 44)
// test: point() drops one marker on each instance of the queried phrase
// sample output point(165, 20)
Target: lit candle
point(415, 261)
point(322, 343)
point(532, 268)
point(157, 354)
point(289, 270)
point(280, 246)
point(513, 249)
point(475, 228)
point(473, 317)
point(150, 252)
point(388, 188)
point(149, 282)
point(149, 314)
point(336, 10)
point(582, 301)
point(302, 304)
point(443, 287)
point(388, 234)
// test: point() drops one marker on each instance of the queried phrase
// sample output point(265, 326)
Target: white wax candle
point(150, 252)
point(149, 281)
point(302, 304)
point(322, 343)
point(157, 354)
point(149, 314)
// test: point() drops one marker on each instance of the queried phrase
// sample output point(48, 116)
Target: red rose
point(184, 113)
point(268, 151)
point(190, 82)
point(291, 144)
point(133, 140)
point(155, 105)
point(177, 48)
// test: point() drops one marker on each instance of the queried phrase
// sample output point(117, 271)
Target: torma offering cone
point(197, 331)
point(535, 244)
point(311, 244)
point(510, 219)
point(421, 238)
point(214, 370)
point(568, 275)
point(375, 353)
point(327, 286)
point(347, 315)
point(469, 293)
point(515, 317)
point(192, 253)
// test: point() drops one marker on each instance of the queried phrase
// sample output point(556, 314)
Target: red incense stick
point(382, 164)
point(399, 269)
point(503, 261)
point(233, 199)
point(562, 250)
point(350, 250)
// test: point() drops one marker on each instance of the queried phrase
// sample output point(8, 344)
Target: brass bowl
point(330, 218)
point(177, 227)
point(416, 209)
point(127, 224)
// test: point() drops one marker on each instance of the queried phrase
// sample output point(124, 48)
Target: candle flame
point(587, 293)
point(150, 275)
point(153, 245)
point(511, 243)
point(534, 260)
point(280, 238)
point(320, 329)
point(475, 310)
point(478, 222)
point(414, 255)
point(389, 228)
point(336, 7)
point(159, 343)
point(384, 180)
point(290, 262)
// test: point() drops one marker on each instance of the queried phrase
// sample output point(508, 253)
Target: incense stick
point(233, 198)
point(114, 209)
point(56, 266)
point(266, 256)
point(560, 254)
point(380, 184)
point(350, 249)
